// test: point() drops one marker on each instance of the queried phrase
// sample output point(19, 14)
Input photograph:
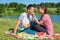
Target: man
point(25, 19)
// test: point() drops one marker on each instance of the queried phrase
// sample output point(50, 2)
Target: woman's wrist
point(35, 19)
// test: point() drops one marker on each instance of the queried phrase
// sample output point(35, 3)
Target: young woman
point(44, 24)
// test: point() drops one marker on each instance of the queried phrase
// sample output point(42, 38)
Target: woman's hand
point(33, 14)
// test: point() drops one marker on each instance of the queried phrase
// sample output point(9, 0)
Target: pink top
point(48, 24)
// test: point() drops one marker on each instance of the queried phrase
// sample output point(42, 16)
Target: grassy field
point(6, 24)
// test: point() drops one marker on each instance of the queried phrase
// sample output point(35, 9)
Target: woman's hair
point(44, 8)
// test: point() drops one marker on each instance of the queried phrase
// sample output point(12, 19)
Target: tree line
point(15, 9)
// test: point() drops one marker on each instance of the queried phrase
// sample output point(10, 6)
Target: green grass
point(6, 24)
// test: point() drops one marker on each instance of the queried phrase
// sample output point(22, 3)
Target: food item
point(40, 33)
point(20, 34)
point(56, 35)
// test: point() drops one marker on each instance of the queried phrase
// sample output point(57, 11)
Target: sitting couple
point(42, 25)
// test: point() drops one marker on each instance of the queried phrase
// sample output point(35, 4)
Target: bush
point(52, 11)
point(58, 10)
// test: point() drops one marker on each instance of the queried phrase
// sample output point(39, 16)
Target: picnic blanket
point(24, 35)
point(29, 34)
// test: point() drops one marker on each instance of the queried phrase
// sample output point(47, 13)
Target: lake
point(54, 18)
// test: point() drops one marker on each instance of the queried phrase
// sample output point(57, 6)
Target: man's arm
point(16, 27)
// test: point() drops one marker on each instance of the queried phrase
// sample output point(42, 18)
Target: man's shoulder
point(23, 14)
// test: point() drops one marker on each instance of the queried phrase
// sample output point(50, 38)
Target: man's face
point(31, 10)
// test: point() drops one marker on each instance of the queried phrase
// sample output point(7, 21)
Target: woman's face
point(40, 10)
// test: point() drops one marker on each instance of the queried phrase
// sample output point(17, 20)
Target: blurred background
point(10, 11)
point(13, 8)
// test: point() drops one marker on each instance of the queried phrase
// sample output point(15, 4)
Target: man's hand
point(15, 35)
point(26, 25)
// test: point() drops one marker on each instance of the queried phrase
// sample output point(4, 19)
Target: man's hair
point(29, 6)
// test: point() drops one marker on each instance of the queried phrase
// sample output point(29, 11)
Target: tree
point(6, 5)
point(22, 5)
point(13, 5)
point(58, 4)
point(1, 12)
point(1, 5)
point(58, 11)
point(50, 5)
point(35, 5)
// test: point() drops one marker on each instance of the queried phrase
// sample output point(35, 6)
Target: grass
point(6, 24)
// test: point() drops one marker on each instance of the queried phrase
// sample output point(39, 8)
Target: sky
point(27, 2)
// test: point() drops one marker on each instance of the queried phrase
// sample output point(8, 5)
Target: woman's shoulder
point(46, 15)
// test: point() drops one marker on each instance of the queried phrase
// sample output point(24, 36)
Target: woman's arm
point(38, 22)
point(16, 27)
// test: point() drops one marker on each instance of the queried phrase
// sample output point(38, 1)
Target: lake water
point(54, 18)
